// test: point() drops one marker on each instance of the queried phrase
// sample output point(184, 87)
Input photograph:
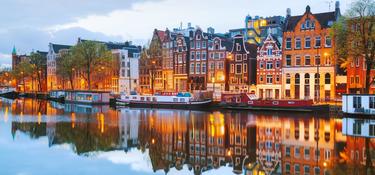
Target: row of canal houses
point(299, 62)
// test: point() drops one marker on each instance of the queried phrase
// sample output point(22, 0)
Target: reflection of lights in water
point(6, 114)
point(325, 164)
point(101, 116)
point(153, 141)
point(229, 153)
point(73, 120)
point(39, 118)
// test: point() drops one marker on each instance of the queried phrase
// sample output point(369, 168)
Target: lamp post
point(213, 82)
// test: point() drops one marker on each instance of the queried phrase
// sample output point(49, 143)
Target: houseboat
point(8, 92)
point(359, 104)
point(245, 101)
point(87, 97)
point(169, 101)
point(57, 95)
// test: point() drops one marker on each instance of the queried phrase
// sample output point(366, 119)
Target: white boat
point(171, 101)
point(8, 92)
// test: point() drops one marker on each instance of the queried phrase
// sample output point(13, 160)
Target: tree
point(39, 65)
point(90, 56)
point(355, 36)
point(23, 70)
point(66, 65)
point(155, 58)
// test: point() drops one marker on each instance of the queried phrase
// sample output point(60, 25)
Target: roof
point(252, 48)
point(323, 19)
point(14, 51)
point(113, 46)
point(57, 47)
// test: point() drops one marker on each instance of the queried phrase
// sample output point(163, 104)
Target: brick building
point(198, 60)
point(242, 66)
point(309, 65)
point(269, 69)
point(181, 63)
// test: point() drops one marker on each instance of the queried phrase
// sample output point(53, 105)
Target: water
point(41, 137)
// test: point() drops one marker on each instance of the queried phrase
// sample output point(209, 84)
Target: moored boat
point(87, 97)
point(8, 92)
point(169, 101)
point(57, 95)
point(250, 102)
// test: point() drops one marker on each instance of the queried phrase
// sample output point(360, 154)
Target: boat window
point(142, 98)
point(182, 100)
point(175, 99)
point(148, 99)
point(134, 98)
point(154, 99)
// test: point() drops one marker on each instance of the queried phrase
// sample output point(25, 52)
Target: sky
point(32, 24)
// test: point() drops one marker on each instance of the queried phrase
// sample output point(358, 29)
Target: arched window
point(307, 78)
point(316, 76)
point(297, 79)
point(327, 78)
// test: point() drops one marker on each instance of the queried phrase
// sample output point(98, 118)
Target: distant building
point(55, 52)
point(269, 69)
point(257, 28)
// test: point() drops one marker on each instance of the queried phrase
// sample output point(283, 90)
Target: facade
point(269, 69)
point(181, 63)
point(309, 69)
point(167, 63)
point(54, 82)
point(257, 28)
point(198, 60)
point(129, 69)
point(356, 76)
point(218, 51)
point(242, 66)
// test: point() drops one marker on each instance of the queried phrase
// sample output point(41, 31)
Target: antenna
point(329, 4)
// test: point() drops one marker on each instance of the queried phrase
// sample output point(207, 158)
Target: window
point(307, 24)
point(261, 64)
point(328, 41)
point(192, 45)
point(287, 168)
point(357, 62)
point(298, 43)
point(198, 44)
point(307, 42)
point(261, 78)
point(204, 55)
point(212, 66)
point(327, 78)
point(269, 65)
point(238, 46)
point(287, 151)
point(221, 65)
point(307, 60)
point(296, 151)
point(277, 64)
point(198, 69)
point(297, 79)
point(307, 153)
point(269, 79)
point(287, 78)
point(192, 68)
point(317, 41)
point(198, 56)
point(372, 130)
point(306, 169)
point(372, 103)
point(192, 55)
point(288, 60)
point(288, 44)
point(316, 171)
point(296, 169)
point(232, 68)
point(269, 51)
point(357, 102)
point(298, 60)
point(287, 92)
point(204, 44)
point(238, 57)
point(203, 68)
point(238, 68)
point(245, 68)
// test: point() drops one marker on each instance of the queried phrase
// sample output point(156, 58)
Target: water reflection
point(247, 143)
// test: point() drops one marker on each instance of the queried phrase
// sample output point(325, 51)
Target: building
point(242, 66)
point(181, 63)
point(55, 52)
point(198, 60)
point(269, 69)
point(167, 63)
point(129, 69)
point(309, 63)
point(356, 76)
point(218, 51)
point(257, 28)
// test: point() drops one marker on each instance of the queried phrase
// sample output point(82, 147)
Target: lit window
point(307, 42)
point(298, 43)
point(288, 44)
point(307, 60)
point(328, 41)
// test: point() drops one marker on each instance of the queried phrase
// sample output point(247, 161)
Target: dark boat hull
point(195, 106)
point(322, 108)
point(10, 95)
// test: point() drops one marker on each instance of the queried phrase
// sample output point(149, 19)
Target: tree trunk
point(71, 82)
point(88, 76)
point(39, 83)
point(368, 157)
point(24, 86)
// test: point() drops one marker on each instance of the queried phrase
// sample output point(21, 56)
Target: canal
point(41, 137)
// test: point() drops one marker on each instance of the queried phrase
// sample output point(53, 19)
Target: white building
point(129, 69)
point(54, 52)
point(358, 104)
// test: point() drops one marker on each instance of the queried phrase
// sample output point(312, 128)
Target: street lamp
point(213, 82)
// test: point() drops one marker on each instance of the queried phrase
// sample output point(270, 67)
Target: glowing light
point(325, 164)
point(153, 141)
point(73, 120)
point(101, 119)
point(39, 118)
point(229, 153)
point(6, 114)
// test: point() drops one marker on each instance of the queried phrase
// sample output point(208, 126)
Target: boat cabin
point(87, 97)
point(363, 104)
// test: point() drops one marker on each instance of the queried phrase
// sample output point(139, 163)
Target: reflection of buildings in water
point(128, 128)
point(360, 137)
point(29, 107)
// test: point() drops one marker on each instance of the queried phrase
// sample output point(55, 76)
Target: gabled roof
point(323, 19)
point(57, 47)
point(252, 48)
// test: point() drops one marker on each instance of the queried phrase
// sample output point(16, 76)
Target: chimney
point(288, 12)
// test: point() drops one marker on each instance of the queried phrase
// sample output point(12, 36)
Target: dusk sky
point(32, 24)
